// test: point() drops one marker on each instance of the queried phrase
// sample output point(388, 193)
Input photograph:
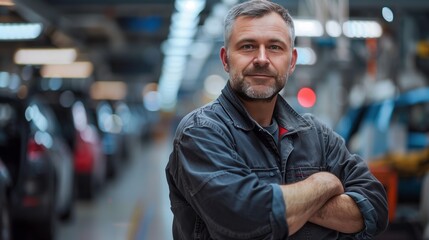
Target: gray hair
point(256, 8)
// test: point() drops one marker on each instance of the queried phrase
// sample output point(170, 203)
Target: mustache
point(260, 71)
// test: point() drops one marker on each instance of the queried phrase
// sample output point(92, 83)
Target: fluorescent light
point(308, 28)
point(175, 48)
point(108, 90)
point(387, 14)
point(73, 70)
point(45, 56)
point(182, 32)
point(191, 7)
point(362, 29)
point(20, 31)
point(6, 3)
point(333, 28)
point(213, 26)
point(169, 85)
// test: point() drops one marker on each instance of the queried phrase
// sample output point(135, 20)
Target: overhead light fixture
point(362, 29)
point(308, 28)
point(45, 56)
point(108, 90)
point(182, 32)
point(20, 31)
point(73, 70)
point(191, 7)
point(387, 14)
point(333, 28)
point(6, 3)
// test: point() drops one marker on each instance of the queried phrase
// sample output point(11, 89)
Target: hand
point(303, 199)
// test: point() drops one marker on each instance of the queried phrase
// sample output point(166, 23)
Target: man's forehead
point(246, 27)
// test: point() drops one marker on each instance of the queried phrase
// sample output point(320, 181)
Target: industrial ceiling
point(124, 38)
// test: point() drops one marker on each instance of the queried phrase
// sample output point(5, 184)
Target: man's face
point(259, 57)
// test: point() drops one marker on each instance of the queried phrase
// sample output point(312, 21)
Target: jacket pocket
point(268, 175)
point(297, 174)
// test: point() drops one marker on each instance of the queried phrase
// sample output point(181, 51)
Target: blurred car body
point(40, 165)
point(5, 181)
point(85, 142)
point(395, 125)
point(109, 126)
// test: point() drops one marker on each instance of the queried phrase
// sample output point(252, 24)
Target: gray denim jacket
point(225, 170)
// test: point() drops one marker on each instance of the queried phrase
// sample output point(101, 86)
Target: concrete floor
point(134, 206)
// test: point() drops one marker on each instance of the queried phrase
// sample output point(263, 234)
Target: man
point(247, 166)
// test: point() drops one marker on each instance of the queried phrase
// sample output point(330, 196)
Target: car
point(5, 183)
point(83, 138)
point(40, 164)
point(396, 125)
point(109, 126)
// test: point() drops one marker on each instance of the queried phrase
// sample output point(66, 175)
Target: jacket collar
point(285, 115)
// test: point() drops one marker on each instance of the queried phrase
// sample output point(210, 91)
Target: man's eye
point(275, 47)
point(247, 47)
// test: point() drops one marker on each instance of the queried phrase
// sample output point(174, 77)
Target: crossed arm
point(320, 199)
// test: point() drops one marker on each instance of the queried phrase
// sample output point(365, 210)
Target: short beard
point(244, 91)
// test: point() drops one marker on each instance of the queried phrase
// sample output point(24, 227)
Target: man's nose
point(261, 59)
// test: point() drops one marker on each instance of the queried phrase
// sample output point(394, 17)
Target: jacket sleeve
point(222, 189)
point(358, 182)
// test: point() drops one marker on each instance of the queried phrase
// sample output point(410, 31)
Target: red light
point(35, 150)
point(306, 97)
point(83, 160)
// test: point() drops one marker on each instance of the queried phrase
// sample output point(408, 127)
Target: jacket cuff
point(368, 213)
point(279, 225)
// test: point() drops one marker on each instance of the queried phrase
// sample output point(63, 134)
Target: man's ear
point(224, 58)
point(293, 61)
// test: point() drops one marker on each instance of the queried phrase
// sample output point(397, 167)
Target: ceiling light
point(45, 56)
point(182, 17)
point(182, 32)
point(108, 90)
point(362, 29)
point(387, 14)
point(176, 50)
point(333, 28)
point(308, 28)
point(6, 3)
point(191, 7)
point(73, 70)
point(213, 26)
point(20, 31)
